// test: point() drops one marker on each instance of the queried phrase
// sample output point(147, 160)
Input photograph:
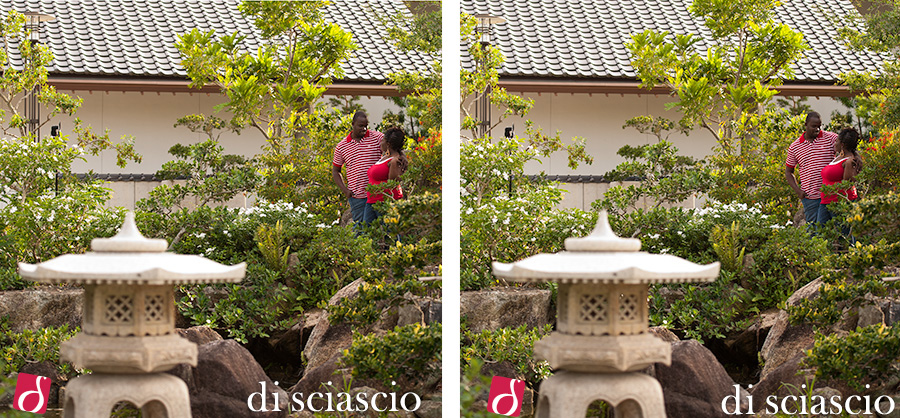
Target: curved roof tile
point(135, 37)
point(566, 39)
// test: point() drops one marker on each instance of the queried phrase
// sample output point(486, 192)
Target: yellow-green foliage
point(407, 355)
point(270, 240)
point(725, 242)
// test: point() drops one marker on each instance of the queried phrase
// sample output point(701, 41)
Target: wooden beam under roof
point(634, 87)
point(183, 86)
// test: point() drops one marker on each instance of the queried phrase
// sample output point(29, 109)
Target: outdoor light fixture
point(483, 104)
point(33, 22)
point(485, 21)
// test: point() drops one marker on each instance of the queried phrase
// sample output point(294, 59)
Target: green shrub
point(406, 355)
point(666, 178)
point(329, 257)
point(853, 276)
point(33, 346)
point(253, 308)
point(705, 311)
point(209, 175)
point(412, 219)
point(270, 241)
point(785, 258)
point(787, 261)
point(424, 172)
point(725, 242)
point(514, 345)
point(392, 277)
point(864, 356)
point(473, 386)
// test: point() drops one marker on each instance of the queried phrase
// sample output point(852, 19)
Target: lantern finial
point(603, 239)
point(129, 239)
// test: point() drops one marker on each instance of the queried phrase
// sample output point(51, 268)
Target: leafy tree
point(482, 80)
point(877, 29)
point(18, 85)
point(45, 210)
point(665, 177)
point(275, 90)
point(209, 175)
point(721, 89)
point(727, 89)
point(419, 32)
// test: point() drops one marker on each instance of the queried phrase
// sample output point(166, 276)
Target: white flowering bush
point(777, 260)
point(45, 211)
point(327, 257)
point(496, 225)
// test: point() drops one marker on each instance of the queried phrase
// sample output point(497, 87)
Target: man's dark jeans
point(811, 210)
point(357, 211)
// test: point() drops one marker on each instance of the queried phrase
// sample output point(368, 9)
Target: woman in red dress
point(845, 166)
point(391, 166)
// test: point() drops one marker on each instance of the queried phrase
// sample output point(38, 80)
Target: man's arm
point(339, 181)
point(792, 181)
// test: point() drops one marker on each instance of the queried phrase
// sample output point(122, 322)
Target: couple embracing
point(371, 157)
point(823, 158)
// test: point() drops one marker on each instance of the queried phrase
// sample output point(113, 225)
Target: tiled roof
point(135, 38)
point(586, 39)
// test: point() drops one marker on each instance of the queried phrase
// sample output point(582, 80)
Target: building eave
point(155, 85)
point(633, 87)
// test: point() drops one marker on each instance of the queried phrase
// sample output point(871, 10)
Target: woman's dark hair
point(849, 137)
point(395, 138)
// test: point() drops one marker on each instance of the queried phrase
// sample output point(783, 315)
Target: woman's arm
point(849, 166)
point(395, 170)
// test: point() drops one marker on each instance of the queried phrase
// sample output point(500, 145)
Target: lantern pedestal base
point(128, 354)
point(602, 354)
point(158, 395)
point(568, 394)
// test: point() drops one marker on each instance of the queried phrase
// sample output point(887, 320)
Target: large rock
point(789, 378)
point(225, 378)
point(750, 341)
point(326, 339)
point(317, 379)
point(784, 342)
point(199, 334)
point(41, 307)
point(808, 291)
point(505, 307)
point(709, 382)
point(781, 380)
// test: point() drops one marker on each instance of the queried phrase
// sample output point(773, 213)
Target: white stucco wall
point(150, 117)
point(599, 119)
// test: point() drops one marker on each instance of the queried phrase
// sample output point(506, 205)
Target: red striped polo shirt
point(358, 156)
point(812, 157)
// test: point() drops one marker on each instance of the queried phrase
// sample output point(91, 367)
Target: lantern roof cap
point(129, 258)
point(603, 257)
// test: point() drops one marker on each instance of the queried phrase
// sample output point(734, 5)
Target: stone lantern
point(128, 335)
point(601, 341)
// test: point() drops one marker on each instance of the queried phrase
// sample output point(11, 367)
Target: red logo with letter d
point(32, 393)
point(506, 396)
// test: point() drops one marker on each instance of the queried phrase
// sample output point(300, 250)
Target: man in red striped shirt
point(812, 152)
point(358, 152)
